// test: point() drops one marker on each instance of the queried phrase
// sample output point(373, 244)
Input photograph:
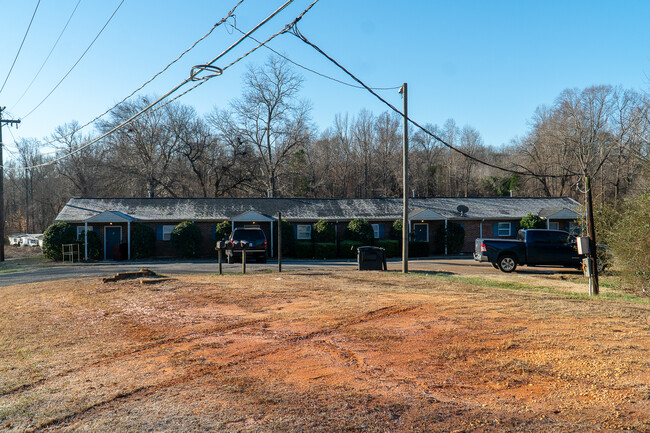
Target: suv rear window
point(249, 235)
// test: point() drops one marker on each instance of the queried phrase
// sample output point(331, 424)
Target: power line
point(300, 36)
point(150, 107)
point(21, 46)
point(78, 60)
point(312, 70)
point(221, 21)
point(48, 56)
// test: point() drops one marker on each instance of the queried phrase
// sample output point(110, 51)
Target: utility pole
point(2, 195)
point(405, 183)
point(593, 256)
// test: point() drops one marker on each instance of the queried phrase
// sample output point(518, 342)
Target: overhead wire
point(96, 118)
point(21, 46)
point(312, 70)
point(150, 108)
point(296, 32)
point(78, 60)
point(50, 53)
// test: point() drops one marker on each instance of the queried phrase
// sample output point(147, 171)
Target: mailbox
point(584, 245)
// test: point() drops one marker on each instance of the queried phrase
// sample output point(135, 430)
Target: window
point(303, 231)
point(375, 231)
point(503, 229)
point(80, 231)
point(167, 232)
point(421, 232)
point(554, 225)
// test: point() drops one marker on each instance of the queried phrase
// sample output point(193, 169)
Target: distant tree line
point(264, 144)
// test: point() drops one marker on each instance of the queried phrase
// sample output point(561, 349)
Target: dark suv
point(256, 240)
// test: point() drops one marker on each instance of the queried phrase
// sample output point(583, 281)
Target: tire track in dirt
point(187, 338)
point(122, 398)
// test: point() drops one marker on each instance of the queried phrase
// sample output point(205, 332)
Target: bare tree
point(270, 118)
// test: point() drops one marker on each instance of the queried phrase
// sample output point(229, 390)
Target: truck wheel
point(507, 263)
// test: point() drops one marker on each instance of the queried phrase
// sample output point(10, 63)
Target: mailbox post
point(244, 246)
point(221, 245)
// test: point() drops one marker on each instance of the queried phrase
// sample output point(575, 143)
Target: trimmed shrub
point(348, 249)
point(55, 236)
point(94, 245)
point(325, 250)
point(391, 246)
point(288, 239)
point(454, 236)
point(324, 232)
point(396, 230)
point(531, 221)
point(418, 249)
point(222, 231)
point(304, 250)
point(186, 239)
point(143, 241)
point(360, 230)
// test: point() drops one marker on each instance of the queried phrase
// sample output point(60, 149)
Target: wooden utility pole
point(2, 196)
point(593, 247)
point(405, 183)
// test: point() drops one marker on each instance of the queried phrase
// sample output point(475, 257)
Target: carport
point(255, 218)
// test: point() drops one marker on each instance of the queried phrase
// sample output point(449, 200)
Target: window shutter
point(513, 228)
point(495, 229)
point(382, 230)
point(159, 232)
point(214, 232)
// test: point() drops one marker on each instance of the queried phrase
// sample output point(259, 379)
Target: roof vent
point(462, 209)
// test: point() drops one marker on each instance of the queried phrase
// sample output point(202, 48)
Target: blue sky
point(484, 64)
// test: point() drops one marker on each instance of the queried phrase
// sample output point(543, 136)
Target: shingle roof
point(297, 209)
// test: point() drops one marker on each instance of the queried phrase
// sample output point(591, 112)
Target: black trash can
point(371, 259)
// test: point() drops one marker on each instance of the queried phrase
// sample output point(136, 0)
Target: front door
point(112, 237)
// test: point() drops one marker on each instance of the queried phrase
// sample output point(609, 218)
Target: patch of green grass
point(511, 285)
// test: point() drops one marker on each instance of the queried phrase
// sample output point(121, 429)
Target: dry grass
point(318, 351)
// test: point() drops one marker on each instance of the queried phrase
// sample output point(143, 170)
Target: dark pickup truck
point(534, 247)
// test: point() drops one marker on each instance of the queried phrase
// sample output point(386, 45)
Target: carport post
point(279, 241)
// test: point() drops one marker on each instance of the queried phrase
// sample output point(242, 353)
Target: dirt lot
point(322, 350)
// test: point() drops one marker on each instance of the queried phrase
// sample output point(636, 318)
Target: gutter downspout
point(445, 236)
point(86, 240)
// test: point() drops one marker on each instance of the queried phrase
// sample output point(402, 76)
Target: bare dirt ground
point(321, 350)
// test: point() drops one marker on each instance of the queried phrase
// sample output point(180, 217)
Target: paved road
point(103, 269)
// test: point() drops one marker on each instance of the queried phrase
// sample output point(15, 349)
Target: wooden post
point(244, 245)
point(593, 276)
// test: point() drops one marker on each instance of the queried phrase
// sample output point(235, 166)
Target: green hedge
point(360, 230)
point(325, 250)
point(304, 250)
point(391, 246)
point(143, 241)
point(186, 239)
point(348, 249)
point(323, 232)
point(418, 249)
point(56, 235)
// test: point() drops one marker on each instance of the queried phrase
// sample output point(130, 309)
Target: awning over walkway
point(109, 217)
